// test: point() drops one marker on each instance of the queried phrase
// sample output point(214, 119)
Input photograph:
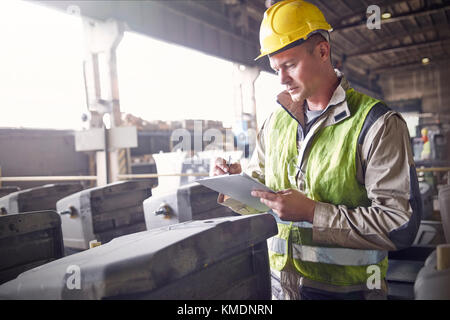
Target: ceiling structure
point(416, 29)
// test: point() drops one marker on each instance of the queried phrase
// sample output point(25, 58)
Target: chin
point(296, 97)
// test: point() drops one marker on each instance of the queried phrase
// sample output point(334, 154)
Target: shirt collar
point(338, 99)
point(339, 93)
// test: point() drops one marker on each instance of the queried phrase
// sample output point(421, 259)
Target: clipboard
point(238, 187)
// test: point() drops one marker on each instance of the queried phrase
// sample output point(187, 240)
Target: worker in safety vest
point(426, 150)
point(341, 165)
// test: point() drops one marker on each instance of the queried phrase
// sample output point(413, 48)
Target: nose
point(284, 77)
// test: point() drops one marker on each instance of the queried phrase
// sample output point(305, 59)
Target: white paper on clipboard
point(238, 187)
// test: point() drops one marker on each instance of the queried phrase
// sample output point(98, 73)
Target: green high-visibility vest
point(330, 176)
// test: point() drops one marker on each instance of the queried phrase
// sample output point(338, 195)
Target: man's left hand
point(289, 204)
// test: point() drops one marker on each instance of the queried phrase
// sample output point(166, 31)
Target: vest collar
point(295, 109)
point(336, 111)
point(338, 102)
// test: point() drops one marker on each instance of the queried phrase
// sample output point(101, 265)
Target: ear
point(324, 50)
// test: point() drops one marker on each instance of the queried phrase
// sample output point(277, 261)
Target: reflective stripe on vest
point(278, 245)
point(338, 256)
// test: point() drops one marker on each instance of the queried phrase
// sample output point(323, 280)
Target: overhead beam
point(416, 13)
point(395, 68)
point(361, 15)
point(398, 48)
point(174, 22)
point(398, 36)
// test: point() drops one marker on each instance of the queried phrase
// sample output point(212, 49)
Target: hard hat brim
point(297, 43)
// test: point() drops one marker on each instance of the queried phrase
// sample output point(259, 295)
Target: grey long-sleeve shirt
point(385, 166)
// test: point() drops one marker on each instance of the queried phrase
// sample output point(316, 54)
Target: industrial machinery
point(28, 240)
point(103, 213)
point(188, 202)
point(433, 280)
point(36, 199)
point(413, 272)
point(432, 283)
point(223, 258)
point(7, 190)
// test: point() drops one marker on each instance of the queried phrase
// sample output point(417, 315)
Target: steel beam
point(435, 62)
point(398, 48)
point(184, 23)
point(416, 13)
point(396, 36)
point(362, 14)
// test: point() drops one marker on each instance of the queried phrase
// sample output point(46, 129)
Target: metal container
point(28, 240)
point(36, 199)
point(103, 213)
point(188, 202)
point(432, 284)
point(223, 258)
point(444, 206)
point(404, 265)
point(430, 233)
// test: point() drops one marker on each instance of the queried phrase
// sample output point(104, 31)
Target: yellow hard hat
point(424, 131)
point(287, 22)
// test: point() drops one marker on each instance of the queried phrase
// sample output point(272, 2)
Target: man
point(340, 163)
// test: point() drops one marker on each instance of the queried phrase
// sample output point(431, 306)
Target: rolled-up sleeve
point(389, 176)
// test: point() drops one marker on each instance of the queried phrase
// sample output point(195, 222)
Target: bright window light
point(41, 76)
point(267, 87)
point(162, 81)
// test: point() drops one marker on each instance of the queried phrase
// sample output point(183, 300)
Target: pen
point(229, 164)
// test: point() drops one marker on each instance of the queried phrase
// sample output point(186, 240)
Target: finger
point(222, 164)
point(271, 204)
point(265, 195)
point(218, 171)
point(235, 168)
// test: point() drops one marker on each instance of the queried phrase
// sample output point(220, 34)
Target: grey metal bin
point(432, 284)
point(37, 198)
point(28, 240)
point(188, 202)
point(103, 213)
point(222, 258)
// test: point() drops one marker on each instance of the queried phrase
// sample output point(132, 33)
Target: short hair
point(313, 40)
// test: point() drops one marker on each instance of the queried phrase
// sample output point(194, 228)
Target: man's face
point(298, 70)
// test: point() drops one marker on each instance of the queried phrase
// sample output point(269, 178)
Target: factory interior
point(113, 111)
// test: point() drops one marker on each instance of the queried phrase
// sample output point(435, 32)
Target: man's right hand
point(221, 167)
